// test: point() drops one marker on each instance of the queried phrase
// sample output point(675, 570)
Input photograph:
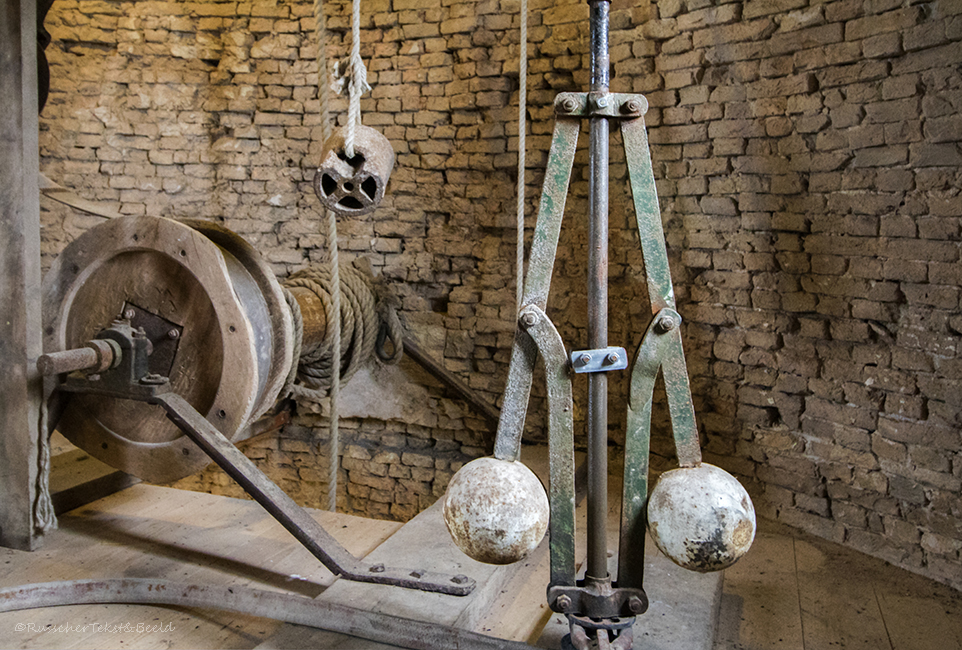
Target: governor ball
point(496, 510)
point(701, 517)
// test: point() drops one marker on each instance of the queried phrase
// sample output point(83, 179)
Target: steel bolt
point(636, 605)
point(563, 602)
point(602, 102)
point(459, 579)
point(376, 568)
point(631, 106)
point(665, 323)
point(129, 314)
point(612, 358)
point(528, 319)
point(584, 359)
point(173, 334)
point(569, 104)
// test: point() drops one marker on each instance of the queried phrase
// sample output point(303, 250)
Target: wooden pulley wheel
point(216, 318)
point(354, 185)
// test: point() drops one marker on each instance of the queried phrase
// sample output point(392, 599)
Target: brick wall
point(807, 158)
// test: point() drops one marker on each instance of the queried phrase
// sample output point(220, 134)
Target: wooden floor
point(791, 592)
point(154, 532)
point(797, 592)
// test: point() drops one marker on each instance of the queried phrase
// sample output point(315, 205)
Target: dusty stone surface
point(808, 162)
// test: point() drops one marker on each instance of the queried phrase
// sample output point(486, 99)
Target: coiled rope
point(369, 321)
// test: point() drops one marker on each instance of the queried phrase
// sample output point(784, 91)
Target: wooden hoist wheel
point(216, 318)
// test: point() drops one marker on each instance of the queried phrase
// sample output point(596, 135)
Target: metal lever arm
point(294, 518)
point(537, 282)
point(561, 443)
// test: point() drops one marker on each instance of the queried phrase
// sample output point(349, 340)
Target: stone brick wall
point(807, 158)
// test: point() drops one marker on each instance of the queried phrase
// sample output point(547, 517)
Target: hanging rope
point(358, 85)
point(522, 133)
point(367, 320)
point(44, 518)
point(323, 94)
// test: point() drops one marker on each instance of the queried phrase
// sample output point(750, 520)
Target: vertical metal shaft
point(597, 561)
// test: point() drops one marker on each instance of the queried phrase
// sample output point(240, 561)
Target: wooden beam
point(20, 320)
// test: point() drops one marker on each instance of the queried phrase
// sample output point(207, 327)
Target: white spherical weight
point(701, 517)
point(496, 510)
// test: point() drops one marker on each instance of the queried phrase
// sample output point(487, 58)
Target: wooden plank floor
point(797, 592)
point(154, 532)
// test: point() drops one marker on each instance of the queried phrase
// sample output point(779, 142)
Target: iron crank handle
point(294, 518)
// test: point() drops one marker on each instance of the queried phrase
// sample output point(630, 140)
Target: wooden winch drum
point(217, 320)
point(354, 186)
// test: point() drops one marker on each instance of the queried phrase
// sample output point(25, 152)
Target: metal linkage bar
point(373, 626)
point(537, 282)
point(561, 444)
point(294, 518)
point(129, 379)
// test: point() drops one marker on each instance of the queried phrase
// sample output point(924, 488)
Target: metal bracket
point(602, 360)
point(600, 104)
point(598, 599)
point(130, 380)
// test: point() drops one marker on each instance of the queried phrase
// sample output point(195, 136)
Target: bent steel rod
point(597, 561)
point(335, 617)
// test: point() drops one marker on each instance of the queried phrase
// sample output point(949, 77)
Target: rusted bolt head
point(528, 319)
point(584, 359)
point(569, 104)
point(612, 358)
point(173, 334)
point(665, 323)
point(563, 602)
point(631, 106)
point(636, 605)
point(376, 568)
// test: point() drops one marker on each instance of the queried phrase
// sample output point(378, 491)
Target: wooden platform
point(153, 532)
point(147, 531)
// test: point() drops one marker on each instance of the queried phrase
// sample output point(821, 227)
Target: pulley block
point(215, 318)
point(354, 185)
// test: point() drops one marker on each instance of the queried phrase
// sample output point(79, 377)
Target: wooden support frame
point(20, 317)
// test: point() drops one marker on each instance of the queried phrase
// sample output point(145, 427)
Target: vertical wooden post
point(20, 319)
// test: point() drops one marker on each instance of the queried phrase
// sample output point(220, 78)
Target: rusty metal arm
point(561, 443)
point(290, 515)
point(381, 628)
point(449, 379)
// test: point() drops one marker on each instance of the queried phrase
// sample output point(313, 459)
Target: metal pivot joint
point(130, 378)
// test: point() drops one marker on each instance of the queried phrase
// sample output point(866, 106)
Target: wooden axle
point(314, 315)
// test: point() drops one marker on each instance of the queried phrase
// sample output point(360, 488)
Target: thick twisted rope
point(369, 320)
point(358, 85)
